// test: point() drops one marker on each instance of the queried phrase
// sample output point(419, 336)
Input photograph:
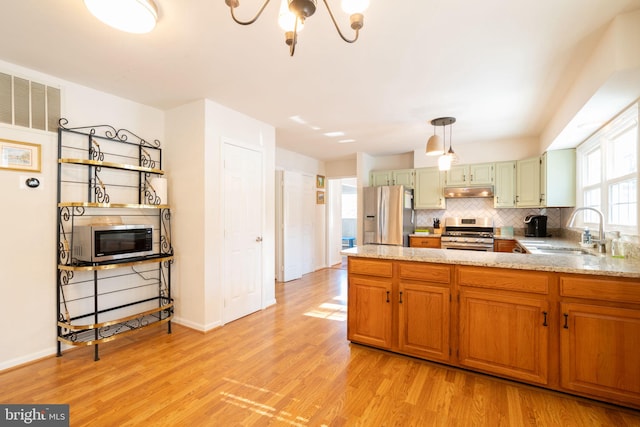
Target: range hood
point(461, 192)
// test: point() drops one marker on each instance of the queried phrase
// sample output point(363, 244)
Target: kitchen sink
point(558, 251)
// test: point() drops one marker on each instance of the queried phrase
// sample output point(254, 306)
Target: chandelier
point(433, 144)
point(293, 14)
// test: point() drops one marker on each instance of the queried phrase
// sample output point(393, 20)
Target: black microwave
point(100, 243)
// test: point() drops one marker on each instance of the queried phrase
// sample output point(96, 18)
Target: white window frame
point(629, 117)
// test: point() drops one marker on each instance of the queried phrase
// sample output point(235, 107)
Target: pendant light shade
point(444, 162)
point(131, 16)
point(433, 146)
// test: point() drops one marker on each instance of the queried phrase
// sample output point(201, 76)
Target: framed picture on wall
point(320, 197)
point(20, 156)
point(319, 181)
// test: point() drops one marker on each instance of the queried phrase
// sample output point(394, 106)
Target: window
point(608, 174)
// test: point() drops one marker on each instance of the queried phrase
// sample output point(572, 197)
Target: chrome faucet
point(600, 243)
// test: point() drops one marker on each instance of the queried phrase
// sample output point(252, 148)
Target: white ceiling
point(498, 66)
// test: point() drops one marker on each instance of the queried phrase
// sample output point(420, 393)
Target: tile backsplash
point(483, 207)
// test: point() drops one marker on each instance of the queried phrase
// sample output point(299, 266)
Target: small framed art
point(20, 156)
point(320, 197)
point(319, 181)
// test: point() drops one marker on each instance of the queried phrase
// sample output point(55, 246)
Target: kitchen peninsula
point(564, 322)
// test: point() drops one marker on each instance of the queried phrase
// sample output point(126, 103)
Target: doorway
point(342, 214)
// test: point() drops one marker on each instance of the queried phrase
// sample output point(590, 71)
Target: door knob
point(259, 239)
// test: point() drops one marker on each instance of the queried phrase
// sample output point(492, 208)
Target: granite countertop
point(582, 264)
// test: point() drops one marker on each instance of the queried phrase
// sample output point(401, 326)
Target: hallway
point(288, 365)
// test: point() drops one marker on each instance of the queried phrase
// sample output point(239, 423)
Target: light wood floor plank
point(288, 365)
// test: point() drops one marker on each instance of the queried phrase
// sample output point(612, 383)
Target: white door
point(243, 190)
point(293, 194)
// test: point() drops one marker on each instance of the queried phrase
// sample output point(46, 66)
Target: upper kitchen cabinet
point(547, 181)
point(429, 189)
point(466, 175)
point(528, 183)
point(505, 185)
point(558, 178)
point(404, 177)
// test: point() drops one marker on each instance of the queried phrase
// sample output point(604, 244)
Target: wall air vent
point(29, 104)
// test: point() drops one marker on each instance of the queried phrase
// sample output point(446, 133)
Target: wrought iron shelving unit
point(105, 174)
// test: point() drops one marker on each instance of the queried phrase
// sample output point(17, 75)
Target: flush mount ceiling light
point(433, 144)
point(132, 16)
point(293, 14)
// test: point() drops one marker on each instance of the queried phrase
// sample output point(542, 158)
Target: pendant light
point(433, 144)
point(131, 16)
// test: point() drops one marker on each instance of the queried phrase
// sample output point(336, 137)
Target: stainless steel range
point(469, 234)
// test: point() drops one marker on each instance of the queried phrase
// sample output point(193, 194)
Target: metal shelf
point(111, 165)
point(92, 334)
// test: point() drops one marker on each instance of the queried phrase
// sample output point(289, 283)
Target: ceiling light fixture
point(433, 144)
point(293, 14)
point(132, 16)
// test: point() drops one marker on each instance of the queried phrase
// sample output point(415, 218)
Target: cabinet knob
point(259, 239)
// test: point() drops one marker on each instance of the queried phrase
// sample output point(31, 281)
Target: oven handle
point(470, 248)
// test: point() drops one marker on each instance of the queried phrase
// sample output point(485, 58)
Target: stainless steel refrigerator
point(388, 215)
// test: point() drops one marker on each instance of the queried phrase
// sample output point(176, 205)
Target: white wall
point(28, 253)
point(344, 168)
point(396, 161)
point(608, 82)
point(185, 163)
point(197, 193)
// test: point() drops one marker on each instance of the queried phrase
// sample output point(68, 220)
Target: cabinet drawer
point(424, 242)
point(425, 272)
point(600, 289)
point(504, 245)
point(496, 278)
point(370, 267)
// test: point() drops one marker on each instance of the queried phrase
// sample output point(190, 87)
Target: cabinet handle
point(387, 296)
point(566, 321)
point(400, 297)
point(544, 323)
point(471, 179)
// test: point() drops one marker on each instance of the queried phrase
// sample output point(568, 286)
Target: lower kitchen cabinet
point(424, 307)
point(600, 351)
point(369, 302)
point(409, 314)
point(568, 332)
point(504, 334)
point(504, 322)
point(600, 338)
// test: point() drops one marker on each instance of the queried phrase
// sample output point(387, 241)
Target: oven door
point(462, 246)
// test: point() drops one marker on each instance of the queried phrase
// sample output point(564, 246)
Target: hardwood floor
point(288, 365)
